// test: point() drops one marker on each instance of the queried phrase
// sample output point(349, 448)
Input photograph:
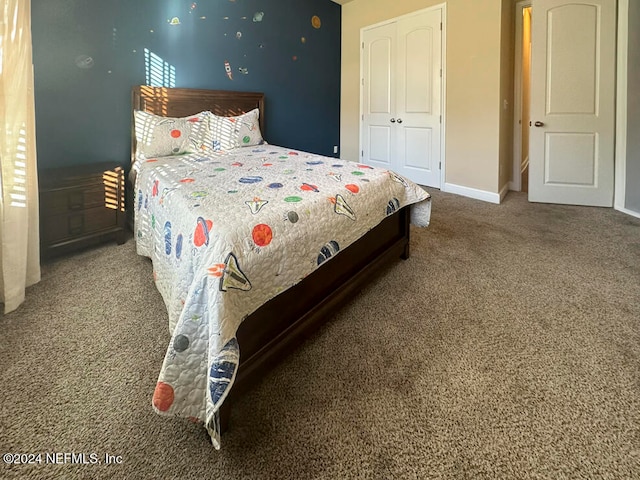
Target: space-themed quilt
point(228, 232)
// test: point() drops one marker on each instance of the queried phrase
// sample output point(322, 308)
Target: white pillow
point(158, 136)
point(239, 131)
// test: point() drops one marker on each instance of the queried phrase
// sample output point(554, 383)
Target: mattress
point(228, 232)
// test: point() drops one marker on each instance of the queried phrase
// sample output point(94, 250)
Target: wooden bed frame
point(281, 324)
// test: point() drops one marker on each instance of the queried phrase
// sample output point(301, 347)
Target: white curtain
point(19, 230)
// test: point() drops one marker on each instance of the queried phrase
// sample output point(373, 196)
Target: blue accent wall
point(88, 54)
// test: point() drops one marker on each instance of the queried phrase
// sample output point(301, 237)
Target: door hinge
point(440, 118)
point(363, 82)
point(363, 45)
point(439, 165)
point(440, 73)
point(362, 153)
point(440, 26)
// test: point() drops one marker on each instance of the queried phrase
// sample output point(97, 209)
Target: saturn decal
point(201, 233)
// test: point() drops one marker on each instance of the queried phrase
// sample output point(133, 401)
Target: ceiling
point(341, 2)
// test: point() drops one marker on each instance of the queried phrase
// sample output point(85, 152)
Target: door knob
point(539, 124)
point(393, 120)
point(399, 120)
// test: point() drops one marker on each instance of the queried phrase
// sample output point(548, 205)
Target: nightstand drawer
point(76, 199)
point(80, 206)
point(57, 228)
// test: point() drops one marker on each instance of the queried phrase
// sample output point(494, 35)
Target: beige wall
point(473, 84)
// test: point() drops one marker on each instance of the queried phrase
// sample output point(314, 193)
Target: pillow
point(233, 132)
point(158, 136)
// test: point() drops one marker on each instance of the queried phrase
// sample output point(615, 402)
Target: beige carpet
point(506, 347)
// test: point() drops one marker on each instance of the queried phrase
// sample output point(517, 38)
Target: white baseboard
point(475, 193)
point(498, 197)
point(627, 211)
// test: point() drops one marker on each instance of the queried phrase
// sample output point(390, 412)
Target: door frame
point(620, 157)
point(443, 15)
point(516, 175)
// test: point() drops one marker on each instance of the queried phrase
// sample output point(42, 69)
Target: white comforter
point(229, 232)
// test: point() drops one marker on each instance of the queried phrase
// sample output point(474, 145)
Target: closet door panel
point(418, 92)
point(379, 72)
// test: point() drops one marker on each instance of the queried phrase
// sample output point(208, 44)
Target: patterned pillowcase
point(233, 132)
point(158, 136)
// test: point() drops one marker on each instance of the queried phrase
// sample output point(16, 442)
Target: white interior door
point(572, 102)
point(401, 96)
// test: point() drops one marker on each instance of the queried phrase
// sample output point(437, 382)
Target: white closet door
point(401, 96)
point(418, 98)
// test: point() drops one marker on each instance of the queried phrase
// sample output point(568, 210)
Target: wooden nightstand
point(80, 206)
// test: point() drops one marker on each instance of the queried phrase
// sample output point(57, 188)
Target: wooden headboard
point(182, 102)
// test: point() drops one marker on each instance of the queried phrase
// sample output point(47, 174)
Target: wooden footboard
point(270, 333)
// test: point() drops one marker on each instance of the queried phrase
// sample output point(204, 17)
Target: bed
point(253, 245)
